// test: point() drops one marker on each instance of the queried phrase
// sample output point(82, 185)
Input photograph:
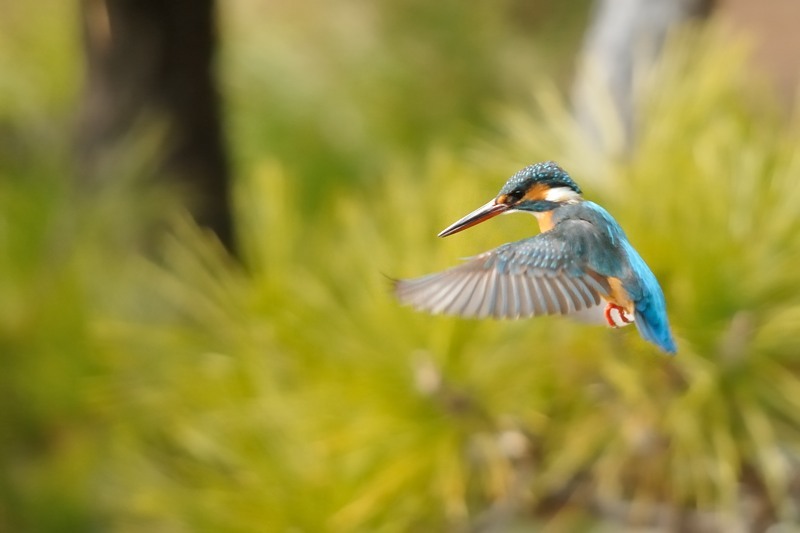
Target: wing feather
point(515, 307)
point(501, 310)
point(526, 301)
point(459, 303)
point(543, 275)
point(564, 297)
point(571, 292)
point(451, 293)
point(489, 295)
point(589, 297)
point(549, 296)
point(538, 291)
point(475, 304)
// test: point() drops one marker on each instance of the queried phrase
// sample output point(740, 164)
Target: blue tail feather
point(649, 303)
point(654, 327)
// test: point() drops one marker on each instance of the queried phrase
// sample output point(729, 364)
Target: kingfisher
point(581, 264)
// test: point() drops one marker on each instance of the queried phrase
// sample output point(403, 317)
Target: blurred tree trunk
point(622, 34)
point(153, 59)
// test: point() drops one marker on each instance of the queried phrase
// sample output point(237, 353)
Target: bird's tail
point(654, 327)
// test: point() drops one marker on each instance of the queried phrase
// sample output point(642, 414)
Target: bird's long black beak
point(483, 213)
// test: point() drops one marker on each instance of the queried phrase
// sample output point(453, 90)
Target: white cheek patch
point(561, 195)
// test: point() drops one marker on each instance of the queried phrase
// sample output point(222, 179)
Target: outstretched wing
point(543, 275)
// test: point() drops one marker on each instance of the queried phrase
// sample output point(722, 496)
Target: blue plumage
point(650, 306)
point(582, 264)
point(546, 173)
point(609, 253)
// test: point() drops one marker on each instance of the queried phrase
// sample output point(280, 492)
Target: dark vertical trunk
point(153, 60)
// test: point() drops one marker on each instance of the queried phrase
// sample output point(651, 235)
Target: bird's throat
point(545, 219)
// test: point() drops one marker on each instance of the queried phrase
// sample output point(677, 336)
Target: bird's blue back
point(626, 264)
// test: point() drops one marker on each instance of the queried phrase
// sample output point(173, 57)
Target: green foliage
point(299, 395)
point(338, 91)
point(185, 392)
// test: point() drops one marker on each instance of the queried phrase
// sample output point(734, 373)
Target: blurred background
point(200, 203)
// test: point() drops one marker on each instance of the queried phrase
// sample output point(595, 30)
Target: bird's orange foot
point(616, 316)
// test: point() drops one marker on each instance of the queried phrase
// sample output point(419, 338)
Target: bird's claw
point(616, 316)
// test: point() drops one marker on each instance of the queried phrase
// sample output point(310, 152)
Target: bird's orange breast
point(619, 295)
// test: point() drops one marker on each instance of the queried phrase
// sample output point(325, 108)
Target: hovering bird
point(581, 264)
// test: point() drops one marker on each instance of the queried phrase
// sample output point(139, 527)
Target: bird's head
point(537, 189)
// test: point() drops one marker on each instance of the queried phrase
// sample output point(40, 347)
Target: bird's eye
point(515, 195)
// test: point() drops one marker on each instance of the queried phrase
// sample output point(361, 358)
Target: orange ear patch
point(537, 192)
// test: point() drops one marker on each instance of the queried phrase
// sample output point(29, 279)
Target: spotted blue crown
point(547, 173)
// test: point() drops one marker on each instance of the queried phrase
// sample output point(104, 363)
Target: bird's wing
point(544, 275)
